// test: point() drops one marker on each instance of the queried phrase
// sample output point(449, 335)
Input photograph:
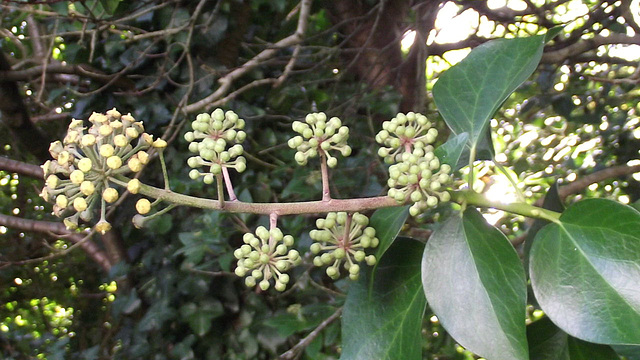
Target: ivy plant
point(583, 265)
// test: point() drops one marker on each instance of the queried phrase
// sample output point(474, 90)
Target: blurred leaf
point(200, 316)
point(110, 6)
point(384, 322)
point(475, 284)
point(586, 268)
point(630, 352)
point(548, 342)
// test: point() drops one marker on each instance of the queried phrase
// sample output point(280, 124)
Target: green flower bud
point(250, 281)
point(264, 285)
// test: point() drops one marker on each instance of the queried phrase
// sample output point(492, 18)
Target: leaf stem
point(165, 174)
point(473, 198)
point(220, 188)
point(324, 170)
point(332, 205)
point(227, 182)
point(472, 159)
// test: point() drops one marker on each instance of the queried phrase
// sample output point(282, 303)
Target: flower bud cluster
point(77, 180)
point(212, 138)
point(420, 179)
point(416, 174)
point(319, 136)
point(404, 133)
point(341, 238)
point(265, 256)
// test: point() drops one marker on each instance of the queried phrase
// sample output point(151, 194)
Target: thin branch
point(49, 227)
point(560, 55)
point(227, 80)
point(302, 344)
point(305, 7)
point(584, 182)
point(21, 168)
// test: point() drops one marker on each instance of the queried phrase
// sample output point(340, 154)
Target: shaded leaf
point(585, 268)
point(388, 222)
point(384, 321)
point(548, 342)
point(475, 284)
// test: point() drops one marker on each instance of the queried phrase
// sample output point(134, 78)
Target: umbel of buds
point(212, 138)
point(77, 180)
point(416, 174)
point(341, 238)
point(264, 257)
point(319, 136)
point(404, 133)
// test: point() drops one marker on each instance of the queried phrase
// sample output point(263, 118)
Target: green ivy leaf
point(475, 284)
point(585, 268)
point(384, 321)
point(451, 151)
point(469, 93)
point(548, 342)
point(388, 222)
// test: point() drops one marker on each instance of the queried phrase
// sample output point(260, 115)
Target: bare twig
point(21, 168)
point(227, 80)
point(302, 344)
point(80, 240)
point(305, 7)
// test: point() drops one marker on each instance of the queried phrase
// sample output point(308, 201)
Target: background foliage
point(168, 291)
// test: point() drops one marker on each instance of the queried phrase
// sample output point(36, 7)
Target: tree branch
point(302, 344)
point(608, 173)
point(227, 80)
point(573, 49)
point(87, 245)
point(20, 167)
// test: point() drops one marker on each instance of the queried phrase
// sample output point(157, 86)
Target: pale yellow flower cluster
point(77, 180)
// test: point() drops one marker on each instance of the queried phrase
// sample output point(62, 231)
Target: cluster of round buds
point(265, 256)
point(343, 238)
point(421, 179)
point(77, 180)
point(211, 138)
point(319, 136)
point(416, 174)
point(404, 133)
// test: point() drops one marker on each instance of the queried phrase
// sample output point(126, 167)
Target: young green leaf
point(585, 268)
point(384, 322)
point(475, 284)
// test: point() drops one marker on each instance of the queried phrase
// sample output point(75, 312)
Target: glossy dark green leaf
point(388, 223)
point(469, 93)
point(585, 269)
point(384, 321)
point(475, 284)
point(548, 342)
